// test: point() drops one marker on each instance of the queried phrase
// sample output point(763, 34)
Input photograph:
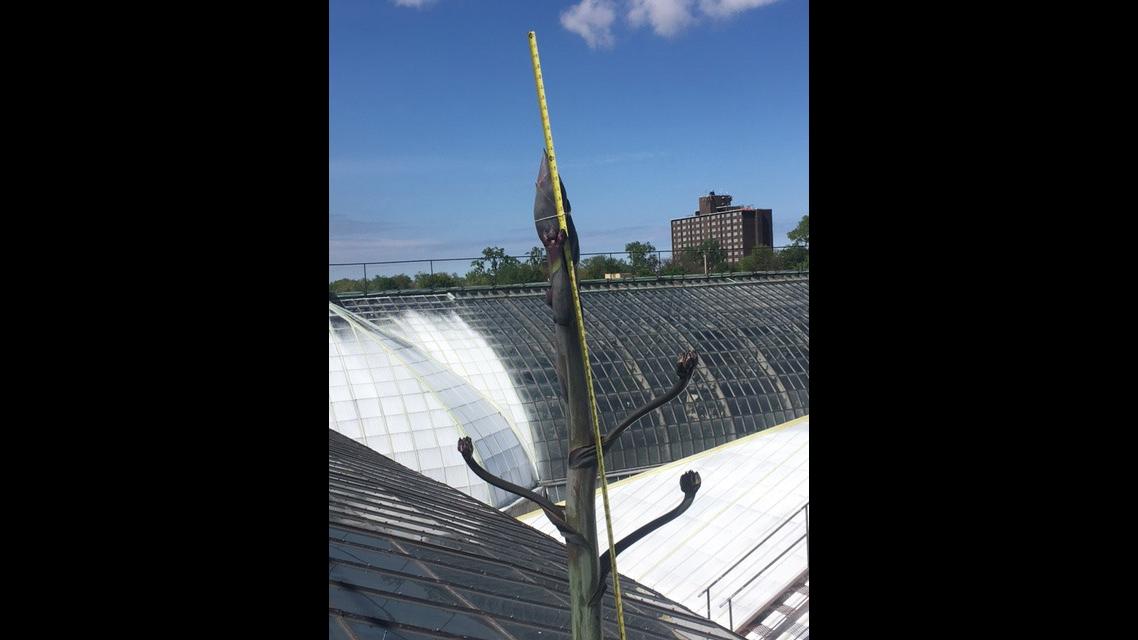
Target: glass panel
point(492, 353)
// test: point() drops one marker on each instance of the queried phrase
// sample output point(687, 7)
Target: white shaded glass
point(392, 405)
point(359, 376)
point(344, 410)
point(410, 400)
point(424, 438)
point(415, 403)
point(368, 407)
point(397, 423)
point(420, 423)
point(402, 442)
point(748, 488)
point(373, 427)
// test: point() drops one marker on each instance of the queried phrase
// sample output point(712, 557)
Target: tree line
point(496, 267)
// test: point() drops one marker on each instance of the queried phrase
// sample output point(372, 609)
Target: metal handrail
point(756, 576)
point(525, 256)
point(806, 508)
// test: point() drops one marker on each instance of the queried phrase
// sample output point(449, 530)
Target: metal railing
point(386, 266)
point(806, 536)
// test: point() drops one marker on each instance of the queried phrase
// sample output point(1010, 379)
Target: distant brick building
point(738, 229)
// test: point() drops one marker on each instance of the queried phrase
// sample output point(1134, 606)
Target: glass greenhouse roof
point(387, 394)
point(752, 333)
point(749, 488)
point(413, 559)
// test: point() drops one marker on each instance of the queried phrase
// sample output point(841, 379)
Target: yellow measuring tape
point(556, 183)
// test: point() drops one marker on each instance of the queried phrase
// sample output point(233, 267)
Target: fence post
point(432, 266)
point(365, 278)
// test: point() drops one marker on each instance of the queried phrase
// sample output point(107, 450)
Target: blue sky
point(435, 135)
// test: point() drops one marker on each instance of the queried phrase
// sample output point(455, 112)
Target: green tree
point(535, 268)
point(536, 257)
point(761, 259)
point(673, 267)
point(385, 283)
point(642, 258)
point(344, 285)
point(716, 256)
point(801, 234)
point(596, 267)
point(520, 273)
point(485, 270)
point(795, 257)
point(688, 262)
point(439, 280)
point(475, 278)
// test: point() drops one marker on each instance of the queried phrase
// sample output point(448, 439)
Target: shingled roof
point(411, 558)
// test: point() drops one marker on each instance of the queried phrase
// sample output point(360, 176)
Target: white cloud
point(418, 4)
point(667, 17)
point(592, 20)
point(728, 8)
